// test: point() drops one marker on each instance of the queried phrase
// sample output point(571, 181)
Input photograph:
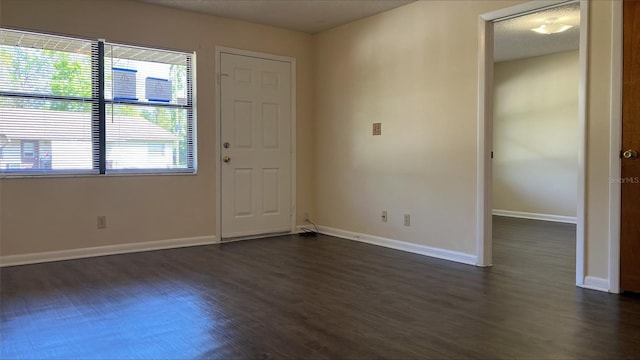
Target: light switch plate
point(377, 128)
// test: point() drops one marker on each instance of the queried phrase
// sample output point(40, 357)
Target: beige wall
point(415, 69)
point(535, 134)
point(47, 214)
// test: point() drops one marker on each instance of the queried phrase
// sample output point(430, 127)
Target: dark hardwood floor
point(318, 298)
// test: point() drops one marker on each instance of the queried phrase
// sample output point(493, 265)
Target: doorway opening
point(535, 142)
point(522, 159)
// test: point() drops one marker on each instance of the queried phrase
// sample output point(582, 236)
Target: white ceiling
point(513, 38)
point(310, 16)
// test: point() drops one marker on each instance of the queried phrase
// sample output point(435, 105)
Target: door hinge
point(492, 154)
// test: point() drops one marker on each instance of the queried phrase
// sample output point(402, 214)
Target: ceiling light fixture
point(551, 26)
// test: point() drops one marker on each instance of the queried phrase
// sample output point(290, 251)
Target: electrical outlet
point(407, 219)
point(306, 216)
point(102, 222)
point(384, 216)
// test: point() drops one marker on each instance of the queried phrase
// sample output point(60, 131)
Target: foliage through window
point(78, 106)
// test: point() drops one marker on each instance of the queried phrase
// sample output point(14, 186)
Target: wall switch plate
point(407, 219)
point(102, 222)
point(384, 216)
point(377, 128)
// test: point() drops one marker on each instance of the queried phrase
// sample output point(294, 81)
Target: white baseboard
point(536, 216)
point(22, 259)
point(402, 245)
point(595, 283)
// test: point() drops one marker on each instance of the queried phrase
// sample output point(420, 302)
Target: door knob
point(630, 154)
point(226, 159)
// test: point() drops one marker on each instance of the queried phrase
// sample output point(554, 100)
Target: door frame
point(615, 146)
point(484, 231)
point(218, 161)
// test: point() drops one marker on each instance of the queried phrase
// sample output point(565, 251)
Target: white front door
point(255, 121)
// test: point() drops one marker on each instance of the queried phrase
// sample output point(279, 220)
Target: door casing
point(484, 229)
point(219, 51)
point(615, 143)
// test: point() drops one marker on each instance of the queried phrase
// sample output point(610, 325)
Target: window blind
point(149, 120)
point(46, 104)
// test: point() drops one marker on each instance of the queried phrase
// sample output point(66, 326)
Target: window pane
point(146, 137)
point(145, 75)
point(37, 135)
point(43, 64)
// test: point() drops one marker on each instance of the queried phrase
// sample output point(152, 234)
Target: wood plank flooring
point(318, 298)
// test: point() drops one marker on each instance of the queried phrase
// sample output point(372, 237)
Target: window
point(46, 100)
point(28, 150)
point(78, 106)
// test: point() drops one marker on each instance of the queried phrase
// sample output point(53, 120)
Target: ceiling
point(513, 37)
point(310, 16)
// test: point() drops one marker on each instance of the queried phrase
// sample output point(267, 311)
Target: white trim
point(522, 9)
point(216, 147)
point(595, 283)
point(22, 259)
point(250, 53)
point(484, 227)
point(615, 170)
point(535, 216)
point(485, 127)
point(294, 146)
point(581, 187)
point(444, 254)
point(292, 61)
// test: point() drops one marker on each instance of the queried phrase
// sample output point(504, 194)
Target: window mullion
point(99, 116)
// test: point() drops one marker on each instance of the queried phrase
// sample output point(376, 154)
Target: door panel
point(270, 126)
point(630, 211)
point(242, 124)
point(270, 191)
point(255, 100)
point(242, 201)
